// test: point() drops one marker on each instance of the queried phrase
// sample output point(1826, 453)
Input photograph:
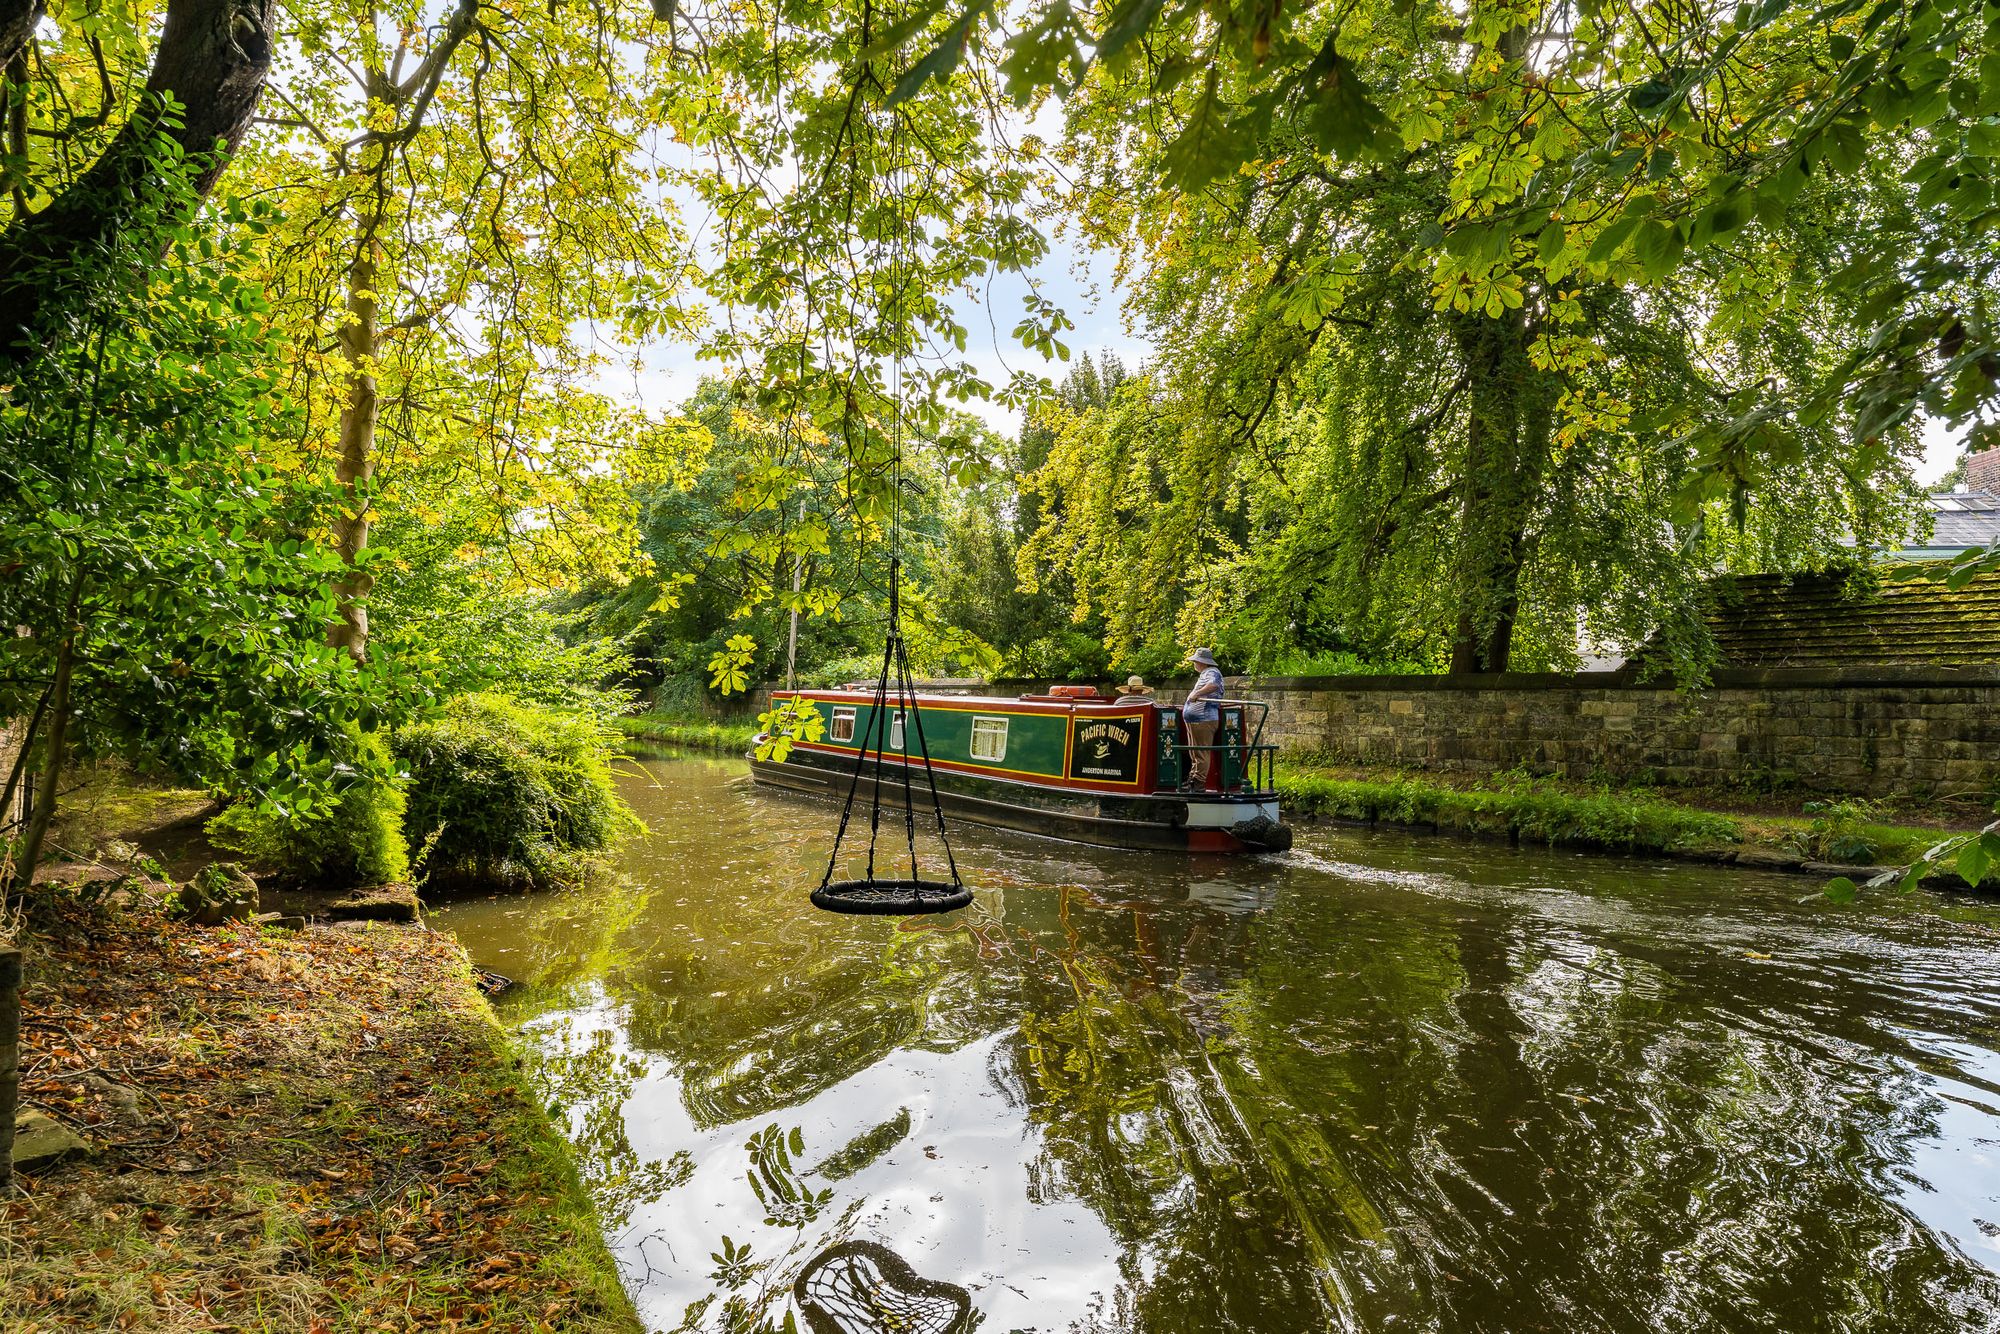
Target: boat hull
point(1155, 822)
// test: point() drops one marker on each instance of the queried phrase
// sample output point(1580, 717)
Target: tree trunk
point(18, 19)
point(42, 806)
point(1506, 454)
point(359, 343)
point(213, 58)
point(19, 767)
point(1502, 474)
point(10, 1059)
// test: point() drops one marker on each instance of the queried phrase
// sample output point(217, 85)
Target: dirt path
point(320, 1131)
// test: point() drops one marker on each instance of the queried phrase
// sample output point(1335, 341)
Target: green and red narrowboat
point(1072, 764)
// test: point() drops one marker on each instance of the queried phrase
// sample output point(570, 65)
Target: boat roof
point(865, 693)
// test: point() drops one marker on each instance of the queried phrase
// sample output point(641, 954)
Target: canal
point(1379, 1083)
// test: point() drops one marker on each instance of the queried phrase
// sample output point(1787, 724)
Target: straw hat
point(1202, 657)
point(1136, 685)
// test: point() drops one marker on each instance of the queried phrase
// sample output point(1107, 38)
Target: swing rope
point(875, 895)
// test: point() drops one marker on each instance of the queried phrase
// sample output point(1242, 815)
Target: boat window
point(843, 725)
point(989, 739)
point(896, 730)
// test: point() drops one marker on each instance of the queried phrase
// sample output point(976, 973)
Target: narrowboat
point(1072, 764)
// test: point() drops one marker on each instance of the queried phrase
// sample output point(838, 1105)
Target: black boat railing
point(1247, 764)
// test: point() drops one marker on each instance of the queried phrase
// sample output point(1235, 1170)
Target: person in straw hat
point(1136, 691)
point(1201, 718)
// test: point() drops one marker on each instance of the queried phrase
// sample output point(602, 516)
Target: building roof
point(1963, 519)
point(1811, 620)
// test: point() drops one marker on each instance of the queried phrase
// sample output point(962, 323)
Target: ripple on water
point(1376, 1083)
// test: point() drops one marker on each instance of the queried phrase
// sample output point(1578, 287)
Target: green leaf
point(1840, 890)
point(1607, 242)
point(1343, 117)
point(943, 58)
point(892, 38)
point(1036, 57)
point(1208, 146)
point(1652, 94)
point(1131, 18)
point(1973, 862)
point(1716, 222)
point(1658, 246)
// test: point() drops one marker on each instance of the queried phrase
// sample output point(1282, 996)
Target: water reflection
point(1380, 1083)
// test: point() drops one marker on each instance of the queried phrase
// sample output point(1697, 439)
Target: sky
point(1080, 281)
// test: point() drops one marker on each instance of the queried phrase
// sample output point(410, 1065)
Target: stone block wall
point(1871, 733)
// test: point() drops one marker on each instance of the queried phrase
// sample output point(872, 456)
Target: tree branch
point(213, 59)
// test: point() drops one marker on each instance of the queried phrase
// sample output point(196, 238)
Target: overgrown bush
point(838, 672)
point(1845, 831)
point(501, 790)
point(356, 839)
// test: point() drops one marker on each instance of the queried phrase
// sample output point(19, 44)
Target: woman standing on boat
point(1201, 717)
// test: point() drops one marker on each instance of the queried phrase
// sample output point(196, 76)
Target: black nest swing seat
point(885, 896)
point(891, 898)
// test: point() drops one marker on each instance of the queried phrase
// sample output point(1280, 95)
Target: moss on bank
point(1540, 810)
point(310, 1131)
point(106, 804)
point(692, 732)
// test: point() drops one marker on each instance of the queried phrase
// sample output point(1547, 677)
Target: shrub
point(501, 790)
point(357, 839)
point(1841, 831)
point(1329, 662)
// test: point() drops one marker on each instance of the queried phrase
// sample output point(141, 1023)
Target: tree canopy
point(1484, 333)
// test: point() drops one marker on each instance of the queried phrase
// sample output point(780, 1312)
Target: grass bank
point(311, 1131)
point(690, 731)
point(1560, 814)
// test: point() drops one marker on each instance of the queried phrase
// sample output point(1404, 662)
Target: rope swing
point(873, 894)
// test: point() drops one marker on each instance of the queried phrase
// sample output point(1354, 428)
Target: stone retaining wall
point(1873, 733)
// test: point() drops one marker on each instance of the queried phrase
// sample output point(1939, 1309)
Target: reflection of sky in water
point(1378, 1083)
point(948, 1194)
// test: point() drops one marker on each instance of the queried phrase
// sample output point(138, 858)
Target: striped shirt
point(1209, 686)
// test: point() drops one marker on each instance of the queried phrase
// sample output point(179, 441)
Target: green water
point(1379, 1083)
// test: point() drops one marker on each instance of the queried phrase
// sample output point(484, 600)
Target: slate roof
point(1964, 519)
point(1807, 620)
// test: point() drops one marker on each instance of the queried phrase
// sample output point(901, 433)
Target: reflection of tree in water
point(588, 1079)
point(772, 1021)
point(1346, 1111)
point(1729, 1156)
point(759, 1010)
point(1126, 1055)
point(1401, 1118)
